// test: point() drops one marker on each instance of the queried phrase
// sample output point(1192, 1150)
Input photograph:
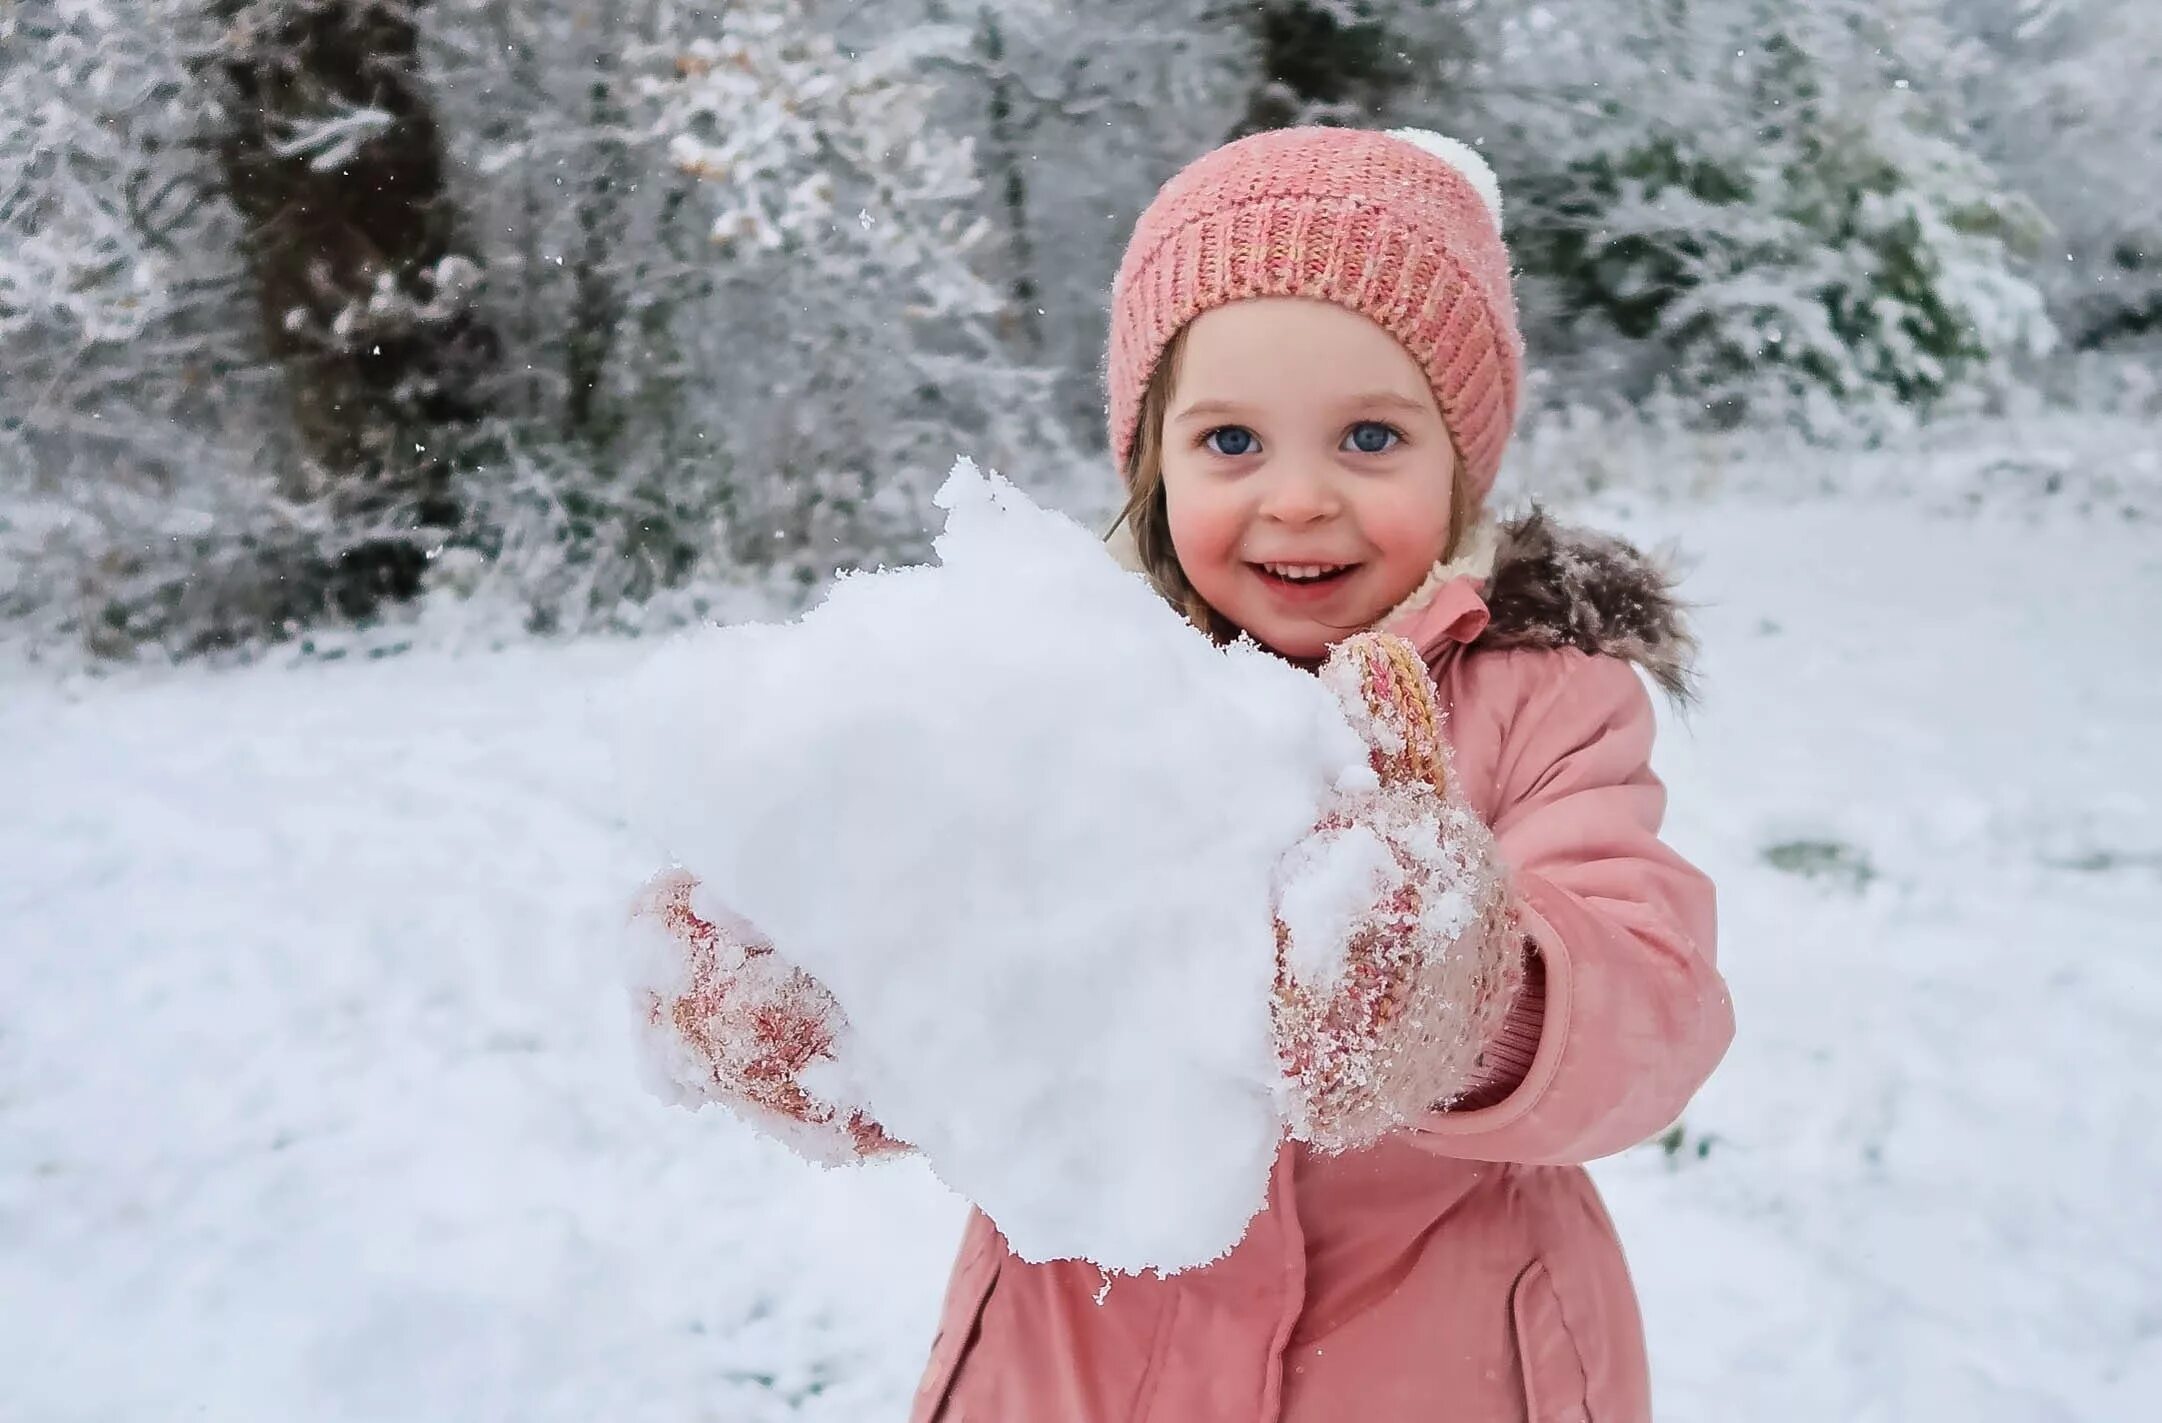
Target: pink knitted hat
point(1403, 227)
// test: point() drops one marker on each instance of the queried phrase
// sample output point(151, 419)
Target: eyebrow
point(1385, 399)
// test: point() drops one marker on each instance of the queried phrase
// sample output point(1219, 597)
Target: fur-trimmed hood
point(1552, 585)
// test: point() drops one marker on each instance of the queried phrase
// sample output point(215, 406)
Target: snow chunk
point(1022, 821)
point(1330, 884)
point(1450, 849)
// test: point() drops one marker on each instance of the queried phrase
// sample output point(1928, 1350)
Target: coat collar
point(1532, 582)
point(1446, 609)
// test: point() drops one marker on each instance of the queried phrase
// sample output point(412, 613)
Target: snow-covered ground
point(316, 1099)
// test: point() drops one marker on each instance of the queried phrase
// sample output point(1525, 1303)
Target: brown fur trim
point(1556, 586)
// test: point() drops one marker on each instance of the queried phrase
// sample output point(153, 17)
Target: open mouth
point(1304, 575)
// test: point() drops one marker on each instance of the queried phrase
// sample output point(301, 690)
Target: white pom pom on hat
point(1464, 159)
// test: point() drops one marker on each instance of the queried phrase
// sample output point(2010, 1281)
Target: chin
point(1301, 645)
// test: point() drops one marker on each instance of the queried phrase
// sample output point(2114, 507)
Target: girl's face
point(1307, 472)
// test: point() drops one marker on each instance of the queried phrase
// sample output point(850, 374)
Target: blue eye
point(1371, 437)
point(1235, 440)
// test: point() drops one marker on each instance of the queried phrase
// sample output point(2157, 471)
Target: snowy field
point(316, 1099)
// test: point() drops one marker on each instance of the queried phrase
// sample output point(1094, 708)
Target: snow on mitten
point(727, 1019)
point(1396, 958)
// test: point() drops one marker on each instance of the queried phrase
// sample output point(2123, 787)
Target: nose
point(1298, 493)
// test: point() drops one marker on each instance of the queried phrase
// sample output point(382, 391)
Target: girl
point(1313, 371)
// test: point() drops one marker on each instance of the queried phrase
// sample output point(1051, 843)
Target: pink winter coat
point(1462, 1270)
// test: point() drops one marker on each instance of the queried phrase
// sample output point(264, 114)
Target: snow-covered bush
point(1773, 201)
point(2069, 108)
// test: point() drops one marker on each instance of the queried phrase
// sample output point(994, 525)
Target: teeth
point(1303, 572)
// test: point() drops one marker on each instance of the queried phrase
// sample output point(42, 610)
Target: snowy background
point(317, 1100)
point(355, 417)
point(314, 311)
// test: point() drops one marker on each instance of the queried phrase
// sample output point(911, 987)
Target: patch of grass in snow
point(1833, 861)
point(2101, 862)
point(1680, 1144)
point(794, 1394)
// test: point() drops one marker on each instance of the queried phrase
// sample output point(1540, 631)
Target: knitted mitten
point(1396, 957)
point(727, 1019)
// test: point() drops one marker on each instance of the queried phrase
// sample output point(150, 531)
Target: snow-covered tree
point(2071, 112)
point(619, 299)
point(739, 260)
point(328, 148)
point(1773, 202)
point(842, 229)
point(1077, 113)
point(137, 411)
point(117, 275)
point(1324, 61)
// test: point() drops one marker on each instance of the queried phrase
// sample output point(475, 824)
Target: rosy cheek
point(1203, 533)
point(1410, 535)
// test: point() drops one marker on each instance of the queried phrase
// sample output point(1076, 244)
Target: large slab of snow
point(317, 1100)
point(1021, 820)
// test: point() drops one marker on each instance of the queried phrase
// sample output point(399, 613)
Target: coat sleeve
point(1636, 1015)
